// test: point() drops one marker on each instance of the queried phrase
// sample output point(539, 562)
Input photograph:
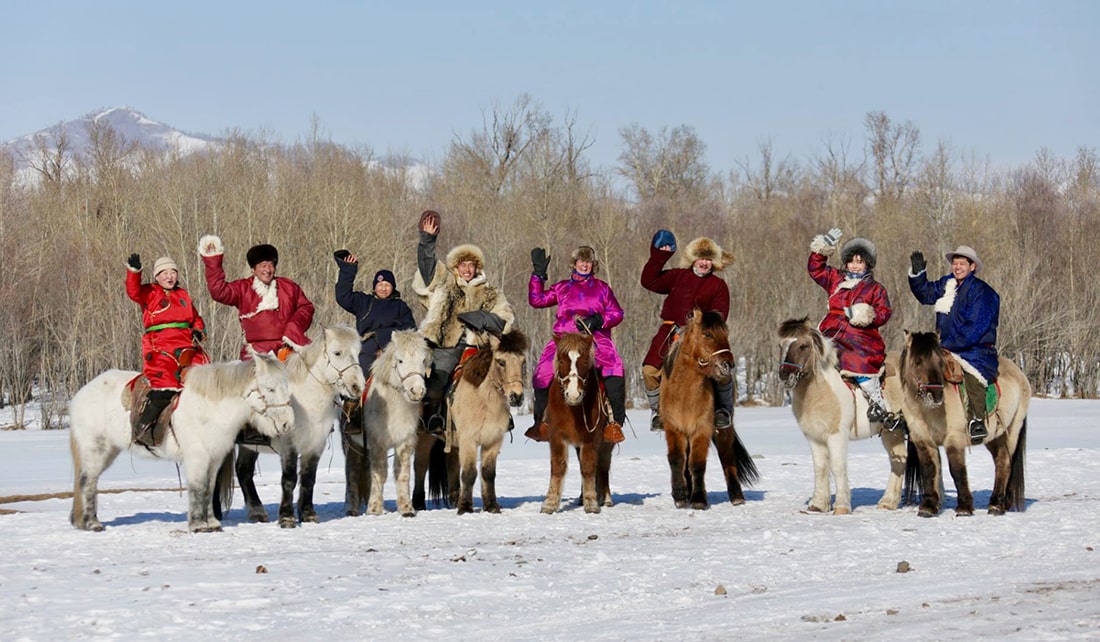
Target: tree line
point(520, 179)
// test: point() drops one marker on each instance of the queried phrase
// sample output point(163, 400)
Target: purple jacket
point(578, 298)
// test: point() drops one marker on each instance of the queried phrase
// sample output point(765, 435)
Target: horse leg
point(289, 458)
point(838, 464)
point(422, 460)
point(489, 455)
point(724, 444)
point(928, 456)
point(697, 460)
point(378, 474)
point(200, 497)
point(589, 457)
point(559, 461)
point(402, 462)
point(87, 467)
point(956, 463)
point(467, 462)
point(453, 470)
point(677, 461)
point(821, 500)
point(894, 443)
point(246, 467)
point(355, 476)
point(306, 511)
point(1002, 462)
point(603, 475)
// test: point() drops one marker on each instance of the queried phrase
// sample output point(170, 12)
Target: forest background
point(521, 179)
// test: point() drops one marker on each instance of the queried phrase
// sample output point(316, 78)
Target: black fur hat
point(259, 253)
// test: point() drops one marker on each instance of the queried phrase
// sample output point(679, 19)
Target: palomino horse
point(320, 373)
point(830, 414)
point(687, 407)
point(492, 380)
point(937, 418)
point(217, 400)
point(391, 416)
point(577, 415)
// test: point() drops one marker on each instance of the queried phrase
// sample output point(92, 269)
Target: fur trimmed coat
point(967, 315)
point(857, 309)
point(168, 318)
point(685, 291)
point(378, 318)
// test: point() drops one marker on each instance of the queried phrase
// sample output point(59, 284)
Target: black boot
point(155, 404)
point(723, 404)
point(975, 409)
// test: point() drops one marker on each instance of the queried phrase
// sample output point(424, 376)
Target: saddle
point(135, 394)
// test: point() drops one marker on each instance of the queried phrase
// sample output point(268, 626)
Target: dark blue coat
point(969, 328)
point(382, 317)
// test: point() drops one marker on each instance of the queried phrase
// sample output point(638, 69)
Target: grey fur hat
point(862, 247)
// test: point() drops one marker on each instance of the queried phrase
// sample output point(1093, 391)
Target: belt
point(165, 326)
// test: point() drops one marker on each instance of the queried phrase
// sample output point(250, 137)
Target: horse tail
point(747, 473)
point(437, 473)
point(913, 476)
point(225, 482)
point(1014, 491)
point(78, 492)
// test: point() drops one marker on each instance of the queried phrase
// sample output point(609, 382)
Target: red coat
point(290, 315)
point(685, 291)
point(168, 317)
point(861, 349)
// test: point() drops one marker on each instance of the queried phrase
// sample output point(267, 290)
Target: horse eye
point(500, 362)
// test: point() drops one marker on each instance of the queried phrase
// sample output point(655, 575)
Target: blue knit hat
point(384, 275)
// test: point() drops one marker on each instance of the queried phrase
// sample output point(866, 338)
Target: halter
point(328, 361)
point(706, 361)
point(799, 371)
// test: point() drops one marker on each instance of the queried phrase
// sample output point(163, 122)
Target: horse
point(215, 402)
point(937, 419)
point(479, 417)
point(320, 373)
point(577, 415)
point(830, 413)
point(701, 355)
point(391, 417)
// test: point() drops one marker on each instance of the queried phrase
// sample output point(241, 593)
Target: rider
point(461, 306)
point(695, 285)
point(172, 338)
point(273, 310)
point(858, 307)
point(585, 304)
point(967, 313)
point(377, 315)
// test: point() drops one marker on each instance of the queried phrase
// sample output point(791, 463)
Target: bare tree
point(894, 150)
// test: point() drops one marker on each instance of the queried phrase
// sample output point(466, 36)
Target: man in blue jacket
point(967, 313)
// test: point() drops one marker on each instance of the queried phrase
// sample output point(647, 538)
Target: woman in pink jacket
point(585, 304)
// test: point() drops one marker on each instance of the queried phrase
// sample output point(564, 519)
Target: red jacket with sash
point(168, 317)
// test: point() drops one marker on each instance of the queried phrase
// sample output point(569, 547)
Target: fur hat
point(586, 253)
point(463, 253)
point(705, 248)
point(862, 247)
point(162, 264)
point(384, 275)
point(967, 252)
point(259, 253)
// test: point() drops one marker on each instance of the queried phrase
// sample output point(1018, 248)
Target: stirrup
point(894, 421)
point(722, 419)
point(876, 414)
point(978, 431)
point(436, 425)
point(655, 423)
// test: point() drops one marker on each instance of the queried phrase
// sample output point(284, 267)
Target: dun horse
point(687, 408)
point(830, 413)
point(217, 400)
point(577, 415)
point(935, 412)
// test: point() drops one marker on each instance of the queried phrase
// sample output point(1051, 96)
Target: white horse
point(391, 416)
point(320, 373)
point(830, 413)
point(216, 401)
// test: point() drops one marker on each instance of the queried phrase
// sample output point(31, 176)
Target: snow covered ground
point(639, 570)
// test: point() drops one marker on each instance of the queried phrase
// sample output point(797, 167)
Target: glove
point(197, 337)
point(832, 237)
point(663, 238)
point(590, 323)
point(539, 262)
point(482, 321)
point(134, 261)
point(916, 260)
point(341, 255)
point(429, 217)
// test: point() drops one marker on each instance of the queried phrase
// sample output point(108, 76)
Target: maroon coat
point(861, 349)
point(264, 325)
point(685, 291)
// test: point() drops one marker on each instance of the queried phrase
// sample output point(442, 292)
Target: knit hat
point(385, 275)
point(967, 252)
point(162, 264)
point(259, 253)
point(862, 247)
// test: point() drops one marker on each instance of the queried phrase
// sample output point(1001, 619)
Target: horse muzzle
point(515, 399)
point(790, 375)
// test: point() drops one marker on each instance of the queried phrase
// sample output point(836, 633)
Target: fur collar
point(269, 296)
point(944, 303)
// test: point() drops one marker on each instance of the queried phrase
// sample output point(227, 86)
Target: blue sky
point(996, 79)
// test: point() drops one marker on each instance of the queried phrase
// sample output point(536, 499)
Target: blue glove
point(663, 238)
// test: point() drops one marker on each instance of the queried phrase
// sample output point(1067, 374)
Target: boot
point(654, 397)
point(539, 431)
point(877, 412)
point(975, 409)
point(723, 404)
point(155, 404)
point(615, 388)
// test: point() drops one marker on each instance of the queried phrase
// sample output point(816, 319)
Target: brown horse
point(576, 413)
point(687, 407)
point(934, 410)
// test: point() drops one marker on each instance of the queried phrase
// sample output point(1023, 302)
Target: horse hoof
point(463, 509)
point(681, 503)
point(814, 509)
point(96, 528)
point(549, 510)
point(963, 513)
point(840, 510)
point(310, 519)
point(352, 513)
point(700, 505)
point(494, 509)
point(288, 522)
point(996, 510)
point(738, 501)
point(927, 512)
point(408, 513)
point(258, 518)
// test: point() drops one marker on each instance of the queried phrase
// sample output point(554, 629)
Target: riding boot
point(351, 417)
point(615, 387)
point(877, 412)
point(435, 404)
point(155, 404)
point(539, 431)
point(654, 397)
point(975, 409)
point(723, 404)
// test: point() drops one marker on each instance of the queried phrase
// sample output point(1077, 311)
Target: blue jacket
point(382, 317)
point(969, 327)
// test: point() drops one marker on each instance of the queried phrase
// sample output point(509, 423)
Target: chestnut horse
point(701, 355)
point(577, 414)
point(936, 414)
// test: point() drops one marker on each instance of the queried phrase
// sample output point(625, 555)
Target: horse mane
point(308, 355)
point(221, 380)
point(793, 327)
point(401, 342)
point(477, 368)
point(572, 341)
point(515, 342)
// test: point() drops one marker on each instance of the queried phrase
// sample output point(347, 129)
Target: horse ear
point(494, 342)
